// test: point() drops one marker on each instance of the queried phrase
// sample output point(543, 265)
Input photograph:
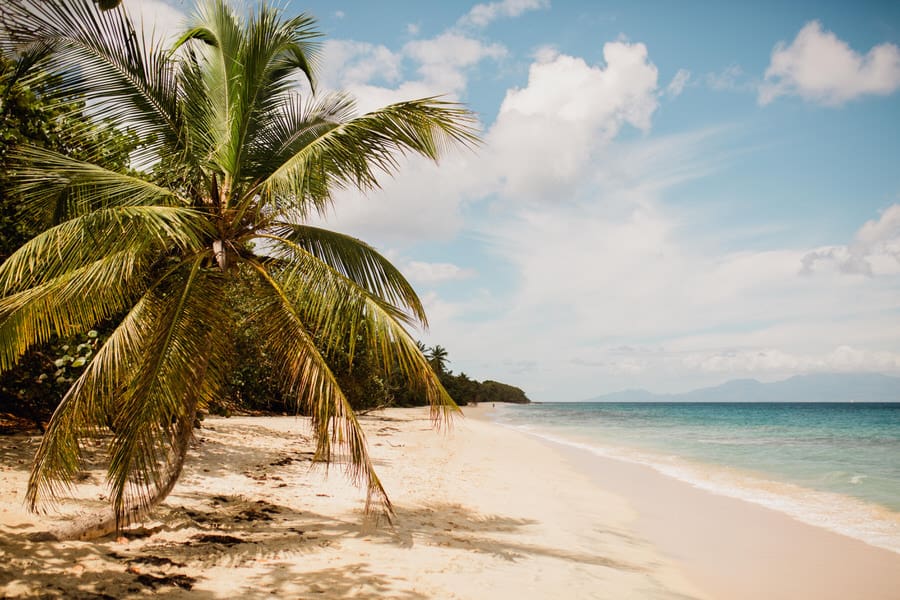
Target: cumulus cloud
point(444, 59)
point(547, 132)
point(820, 67)
point(592, 258)
point(346, 63)
point(875, 249)
point(884, 229)
point(539, 148)
point(426, 201)
point(482, 15)
point(376, 75)
point(567, 88)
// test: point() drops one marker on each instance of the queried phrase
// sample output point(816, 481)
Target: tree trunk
point(100, 524)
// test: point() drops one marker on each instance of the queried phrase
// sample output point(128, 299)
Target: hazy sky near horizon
point(669, 195)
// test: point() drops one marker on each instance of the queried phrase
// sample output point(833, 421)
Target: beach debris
point(185, 582)
point(257, 477)
point(253, 515)
point(259, 511)
point(212, 538)
point(156, 561)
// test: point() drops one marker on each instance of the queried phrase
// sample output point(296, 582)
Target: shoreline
point(735, 548)
point(482, 511)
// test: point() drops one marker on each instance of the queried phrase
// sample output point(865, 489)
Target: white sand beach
point(481, 512)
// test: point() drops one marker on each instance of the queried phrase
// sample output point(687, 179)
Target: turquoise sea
point(831, 465)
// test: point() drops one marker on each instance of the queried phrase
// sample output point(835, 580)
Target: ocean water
point(831, 465)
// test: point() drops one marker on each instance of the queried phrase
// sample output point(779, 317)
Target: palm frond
point(100, 57)
point(68, 304)
point(335, 306)
point(163, 361)
point(317, 148)
point(357, 261)
point(52, 187)
point(246, 69)
point(88, 238)
point(86, 408)
point(308, 378)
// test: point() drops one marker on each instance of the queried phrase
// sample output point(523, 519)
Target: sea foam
point(865, 521)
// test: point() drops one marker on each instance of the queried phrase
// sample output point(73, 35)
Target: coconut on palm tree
point(238, 155)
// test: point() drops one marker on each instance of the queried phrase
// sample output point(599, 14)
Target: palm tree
point(437, 357)
point(241, 156)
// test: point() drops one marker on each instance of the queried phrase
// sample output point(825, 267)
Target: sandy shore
point(482, 512)
point(736, 550)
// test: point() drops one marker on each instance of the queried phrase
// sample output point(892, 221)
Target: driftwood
point(366, 411)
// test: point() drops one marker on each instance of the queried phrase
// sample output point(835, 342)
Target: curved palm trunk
point(100, 524)
point(97, 525)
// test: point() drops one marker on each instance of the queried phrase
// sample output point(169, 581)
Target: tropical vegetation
point(30, 115)
point(208, 236)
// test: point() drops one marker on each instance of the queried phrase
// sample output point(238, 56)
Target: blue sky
point(669, 195)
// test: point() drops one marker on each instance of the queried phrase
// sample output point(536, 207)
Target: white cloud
point(444, 59)
point(347, 63)
point(591, 256)
point(156, 17)
point(540, 147)
point(676, 86)
point(769, 361)
point(425, 201)
point(615, 265)
point(820, 67)
point(884, 229)
point(376, 75)
point(437, 272)
point(567, 88)
point(875, 250)
point(731, 78)
point(482, 15)
point(547, 132)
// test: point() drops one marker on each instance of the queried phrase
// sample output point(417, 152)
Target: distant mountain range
point(824, 387)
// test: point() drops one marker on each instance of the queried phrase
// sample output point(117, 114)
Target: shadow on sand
point(247, 530)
